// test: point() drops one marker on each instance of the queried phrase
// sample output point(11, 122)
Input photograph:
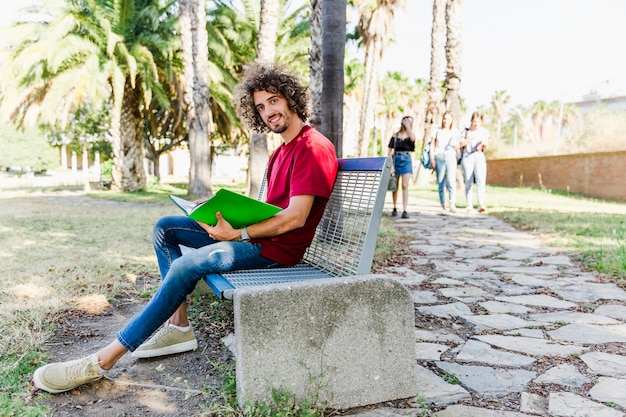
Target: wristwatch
point(244, 235)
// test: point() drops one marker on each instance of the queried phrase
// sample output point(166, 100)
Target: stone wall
point(601, 175)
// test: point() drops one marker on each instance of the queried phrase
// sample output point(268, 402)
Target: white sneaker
point(452, 208)
point(167, 341)
point(65, 376)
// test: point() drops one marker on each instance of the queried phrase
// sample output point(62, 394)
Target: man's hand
point(222, 230)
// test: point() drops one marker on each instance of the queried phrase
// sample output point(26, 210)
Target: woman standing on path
point(474, 142)
point(443, 144)
point(401, 143)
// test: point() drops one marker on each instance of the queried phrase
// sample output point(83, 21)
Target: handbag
point(425, 158)
point(393, 183)
point(393, 180)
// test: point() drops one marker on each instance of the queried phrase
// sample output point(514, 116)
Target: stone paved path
point(507, 326)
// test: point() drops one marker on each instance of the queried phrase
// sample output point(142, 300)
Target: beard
point(279, 129)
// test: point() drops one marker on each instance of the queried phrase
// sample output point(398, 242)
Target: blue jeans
point(446, 175)
point(180, 273)
point(475, 168)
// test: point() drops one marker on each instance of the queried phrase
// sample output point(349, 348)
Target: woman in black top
point(401, 143)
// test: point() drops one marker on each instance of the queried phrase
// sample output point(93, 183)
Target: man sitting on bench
point(300, 178)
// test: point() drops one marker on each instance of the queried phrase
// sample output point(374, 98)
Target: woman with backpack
point(474, 165)
point(443, 145)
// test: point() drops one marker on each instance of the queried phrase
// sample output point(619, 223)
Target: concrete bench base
point(340, 342)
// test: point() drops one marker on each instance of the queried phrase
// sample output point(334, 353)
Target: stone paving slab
point(572, 317)
point(610, 390)
point(496, 321)
point(569, 404)
point(535, 333)
point(498, 286)
point(601, 363)
point(533, 404)
point(590, 333)
point(447, 310)
point(434, 390)
point(552, 260)
point(387, 412)
point(464, 293)
point(503, 307)
point(429, 351)
point(532, 346)
point(447, 281)
point(565, 374)
point(465, 411)
point(445, 265)
point(615, 311)
point(540, 300)
point(423, 297)
point(437, 336)
point(531, 270)
point(488, 380)
point(590, 292)
point(475, 351)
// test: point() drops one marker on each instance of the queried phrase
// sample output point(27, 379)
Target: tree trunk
point(372, 57)
point(454, 25)
point(333, 53)
point(437, 43)
point(316, 64)
point(265, 53)
point(197, 99)
point(433, 106)
point(128, 173)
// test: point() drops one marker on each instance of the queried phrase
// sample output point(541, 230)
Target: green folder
point(237, 209)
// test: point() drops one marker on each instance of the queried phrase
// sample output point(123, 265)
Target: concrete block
point(342, 342)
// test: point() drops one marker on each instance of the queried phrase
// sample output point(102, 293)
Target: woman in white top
point(443, 144)
point(474, 143)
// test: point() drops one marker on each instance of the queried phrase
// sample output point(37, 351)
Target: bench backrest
point(345, 239)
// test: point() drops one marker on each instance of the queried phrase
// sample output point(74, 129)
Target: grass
point(60, 253)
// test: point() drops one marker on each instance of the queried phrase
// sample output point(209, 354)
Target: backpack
point(425, 158)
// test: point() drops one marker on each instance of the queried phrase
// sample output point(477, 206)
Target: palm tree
point(499, 100)
point(232, 40)
point(454, 25)
point(563, 115)
point(266, 53)
point(333, 56)
point(400, 96)
point(437, 42)
point(539, 111)
point(194, 45)
point(353, 95)
point(90, 50)
point(316, 64)
point(375, 28)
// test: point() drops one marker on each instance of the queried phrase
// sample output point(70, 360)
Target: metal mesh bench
point(345, 238)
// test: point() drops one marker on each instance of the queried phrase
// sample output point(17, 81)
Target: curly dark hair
point(274, 79)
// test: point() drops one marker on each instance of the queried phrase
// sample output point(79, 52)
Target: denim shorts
point(402, 163)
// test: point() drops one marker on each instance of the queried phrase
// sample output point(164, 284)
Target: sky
point(533, 49)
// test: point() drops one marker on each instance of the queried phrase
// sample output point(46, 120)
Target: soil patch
point(175, 385)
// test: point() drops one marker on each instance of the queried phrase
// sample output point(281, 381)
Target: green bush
point(27, 150)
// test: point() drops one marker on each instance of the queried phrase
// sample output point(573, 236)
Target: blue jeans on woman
point(446, 175)
point(475, 169)
point(180, 273)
